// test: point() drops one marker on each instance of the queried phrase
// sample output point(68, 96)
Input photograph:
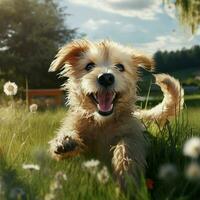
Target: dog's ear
point(69, 54)
point(144, 61)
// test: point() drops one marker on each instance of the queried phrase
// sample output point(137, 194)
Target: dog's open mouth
point(104, 101)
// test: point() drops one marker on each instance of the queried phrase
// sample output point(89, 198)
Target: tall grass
point(24, 139)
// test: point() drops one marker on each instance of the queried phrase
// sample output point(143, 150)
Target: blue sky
point(144, 24)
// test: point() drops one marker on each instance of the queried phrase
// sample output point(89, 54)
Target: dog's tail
point(171, 104)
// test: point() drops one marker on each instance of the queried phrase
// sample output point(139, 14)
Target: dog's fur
point(118, 138)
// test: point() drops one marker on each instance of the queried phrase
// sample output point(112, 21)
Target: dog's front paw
point(66, 147)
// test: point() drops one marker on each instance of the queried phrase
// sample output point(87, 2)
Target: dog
point(102, 119)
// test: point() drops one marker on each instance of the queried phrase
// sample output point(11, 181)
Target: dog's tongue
point(105, 100)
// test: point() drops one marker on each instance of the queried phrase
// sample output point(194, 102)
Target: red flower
point(150, 183)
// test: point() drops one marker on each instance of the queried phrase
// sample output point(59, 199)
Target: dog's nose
point(106, 79)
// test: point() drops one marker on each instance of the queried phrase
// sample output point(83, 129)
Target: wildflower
point(103, 175)
point(60, 176)
point(192, 171)
point(31, 167)
point(150, 184)
point(56, 186)
point(17, 193)
point(167, 172)
point(91, 165)
point(33, 108)
point(10, 88)
point(192, 147)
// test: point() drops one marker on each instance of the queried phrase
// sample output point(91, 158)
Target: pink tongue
point(105, 101)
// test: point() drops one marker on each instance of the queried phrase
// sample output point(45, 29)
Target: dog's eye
point(89, 66)
point(120, 67)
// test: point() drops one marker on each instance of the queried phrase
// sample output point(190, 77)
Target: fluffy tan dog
point(102, 86)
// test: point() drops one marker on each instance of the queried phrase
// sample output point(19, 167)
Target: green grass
point(24, 138)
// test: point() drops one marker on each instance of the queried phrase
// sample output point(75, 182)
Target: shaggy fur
point(117, 138)
point(172, 102)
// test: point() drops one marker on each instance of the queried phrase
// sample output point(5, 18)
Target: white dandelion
point(192, 171)
point(10, 88)
point(31, 167)
point(56, 186)
point(103, 175)
point(91, 165)
point(167, 172)
point(60, 176)
point(192, 147)
point(33, 108)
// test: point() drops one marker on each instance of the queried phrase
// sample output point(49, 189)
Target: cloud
point(142, 9)
point(94, 24)
point(166, 42)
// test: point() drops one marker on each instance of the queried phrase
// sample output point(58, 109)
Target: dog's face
point(102, 76)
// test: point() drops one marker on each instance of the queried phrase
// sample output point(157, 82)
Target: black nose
point(106, 79)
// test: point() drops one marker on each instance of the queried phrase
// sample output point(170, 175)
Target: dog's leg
point(66, 144)
point(129, 160)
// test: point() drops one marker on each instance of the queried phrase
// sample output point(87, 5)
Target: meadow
point(24, 139)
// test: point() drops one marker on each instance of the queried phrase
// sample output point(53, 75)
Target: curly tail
point(171, 104)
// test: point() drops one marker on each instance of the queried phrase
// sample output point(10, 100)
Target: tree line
point(168, 61)
point(31, 31)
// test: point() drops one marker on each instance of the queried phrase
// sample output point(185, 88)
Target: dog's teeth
point(114, 95)
point(95, 96)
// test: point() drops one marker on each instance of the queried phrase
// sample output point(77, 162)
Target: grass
point(24, 138)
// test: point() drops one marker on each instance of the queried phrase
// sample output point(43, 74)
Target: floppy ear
point(69, 54)
point(144, 61)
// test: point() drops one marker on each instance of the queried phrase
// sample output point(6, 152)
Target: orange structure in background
point(46, 97)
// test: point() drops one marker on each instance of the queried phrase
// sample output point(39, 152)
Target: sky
point(148, 25)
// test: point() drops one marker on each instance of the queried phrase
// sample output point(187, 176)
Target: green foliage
point(31, 32)
point(188, 13)
point(177, 60)
point(24, 138)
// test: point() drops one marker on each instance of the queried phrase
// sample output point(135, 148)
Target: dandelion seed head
point(10, 88)
point(103, 175)
point(31, 167)
point(60, 176)
point(91, 165)
point(33, 108)
point(167, 172)
point(192, 171)
point(192, 147)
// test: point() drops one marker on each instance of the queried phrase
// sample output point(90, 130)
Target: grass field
point(24, 139)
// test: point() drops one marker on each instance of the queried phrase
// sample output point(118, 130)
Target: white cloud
point(143, 9)
point(166, 42)
point(94, 24)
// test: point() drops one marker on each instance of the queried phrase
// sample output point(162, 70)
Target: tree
point(188, 12)
point(177, 60)
point(31, 32)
